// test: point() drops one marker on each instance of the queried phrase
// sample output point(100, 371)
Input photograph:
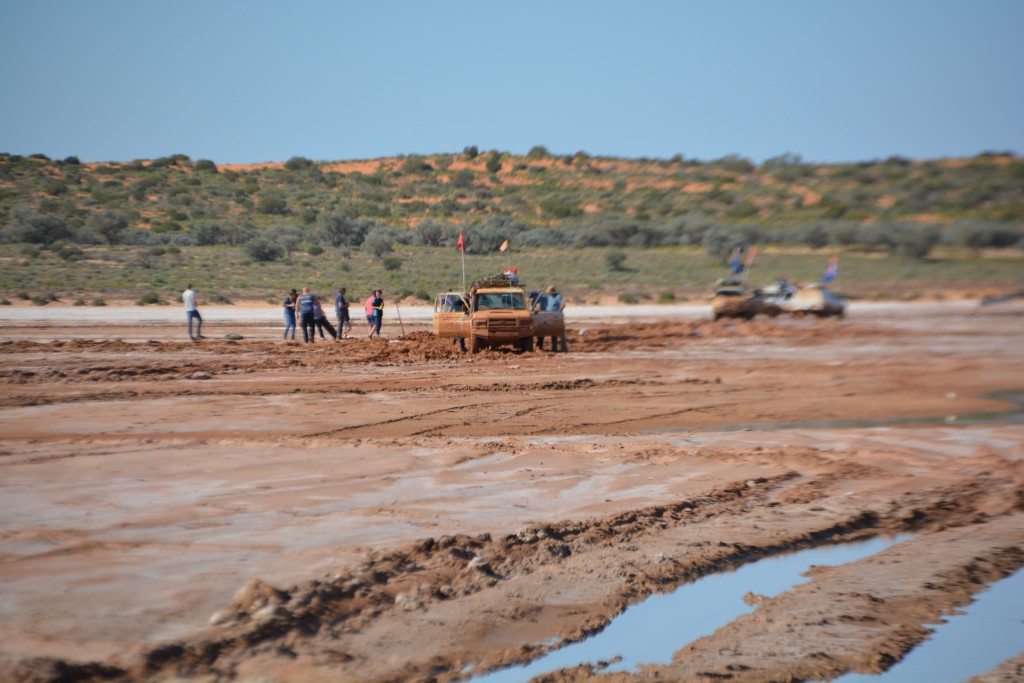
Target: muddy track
point(402, 512)
point(316, 618)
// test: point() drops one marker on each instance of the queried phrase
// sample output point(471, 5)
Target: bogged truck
point(494, 312)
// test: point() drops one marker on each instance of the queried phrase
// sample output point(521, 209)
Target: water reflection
point(986, 633)
point(651, 631)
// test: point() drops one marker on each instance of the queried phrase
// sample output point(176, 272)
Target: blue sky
point(257, 80)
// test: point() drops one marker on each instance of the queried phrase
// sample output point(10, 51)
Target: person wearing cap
point(289, 313)
point(552, 301)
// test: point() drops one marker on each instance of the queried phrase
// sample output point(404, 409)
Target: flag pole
point(462, 252)
point(749, 265)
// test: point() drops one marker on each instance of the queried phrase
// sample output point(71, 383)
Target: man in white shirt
point(189, 297)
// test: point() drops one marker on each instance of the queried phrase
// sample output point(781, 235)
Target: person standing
point(553, 301)
point(289, 313)
point(378, 311)
point(305, 309)
point(341, 311)
point(192, 312)
point(369, 310)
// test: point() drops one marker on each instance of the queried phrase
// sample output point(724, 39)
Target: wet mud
point(395, 510)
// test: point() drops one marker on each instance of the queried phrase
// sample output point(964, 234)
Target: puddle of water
point(986, 633)
point(651, 631)
point(1014, 415)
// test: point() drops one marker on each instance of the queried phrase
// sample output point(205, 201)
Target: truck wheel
point(525, 344)
point(474, 344)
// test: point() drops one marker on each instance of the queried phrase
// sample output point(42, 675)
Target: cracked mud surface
point(392, 510)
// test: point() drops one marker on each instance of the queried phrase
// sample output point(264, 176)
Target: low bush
point(615, 260)
point(149, 298)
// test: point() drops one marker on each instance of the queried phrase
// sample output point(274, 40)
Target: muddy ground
point(393, 510)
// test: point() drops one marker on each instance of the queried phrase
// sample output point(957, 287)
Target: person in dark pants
point(378, 312)
point(289, 314)
point(306, 309)
point(192, 312)
point(320, 318)
point(341, 311)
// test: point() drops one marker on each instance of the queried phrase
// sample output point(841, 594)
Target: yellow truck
point(494, 312)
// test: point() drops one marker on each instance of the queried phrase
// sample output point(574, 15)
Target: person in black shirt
point(378, 312)
point(341, 310)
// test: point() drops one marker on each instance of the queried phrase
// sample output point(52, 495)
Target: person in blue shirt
point(289, 314)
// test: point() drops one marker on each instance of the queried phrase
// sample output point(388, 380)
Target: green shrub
point(149, 298)
point(494, 162)
point(463, 178)
point(614, 260)
point(40, 300)
point(79, 302)
point(314, 250)
point(666, 297)
point(538, 152)
point(263, 250)
point(297, 163)
point(99, 302)
point(70, 253)
point(5, 302)
point(205, 165)
point(471, 152)
point(627, 298)
point(273, 203)
point(392, 263)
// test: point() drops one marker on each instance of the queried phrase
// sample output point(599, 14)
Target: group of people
point(307, 310)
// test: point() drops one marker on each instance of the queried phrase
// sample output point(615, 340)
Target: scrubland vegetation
point(640, 229)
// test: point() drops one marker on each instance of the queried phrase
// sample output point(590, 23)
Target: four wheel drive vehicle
point(811, 299)
point(731, 300)
point(493, 313)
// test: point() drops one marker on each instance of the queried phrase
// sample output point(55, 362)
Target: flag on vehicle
point(504, 246)
point(832, 271)
point(750, 256)
point(461, 244)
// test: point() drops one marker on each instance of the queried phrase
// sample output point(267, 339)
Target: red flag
point(461, 247)
point(750, 256)
point(504, 246)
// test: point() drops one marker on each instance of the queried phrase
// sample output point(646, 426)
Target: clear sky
point(265, 80)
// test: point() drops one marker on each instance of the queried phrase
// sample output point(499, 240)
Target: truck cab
point(494, 312)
